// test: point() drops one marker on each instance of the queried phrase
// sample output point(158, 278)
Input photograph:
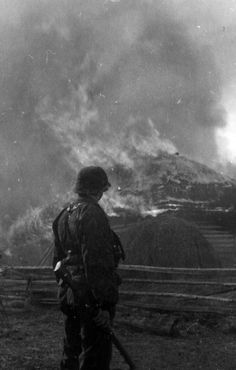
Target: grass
point(34, 341)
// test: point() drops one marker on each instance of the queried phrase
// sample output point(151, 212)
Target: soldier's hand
point(103, 319)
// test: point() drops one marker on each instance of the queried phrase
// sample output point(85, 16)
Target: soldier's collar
point(86, 199)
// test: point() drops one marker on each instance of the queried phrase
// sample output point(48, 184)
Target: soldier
point(91, 250)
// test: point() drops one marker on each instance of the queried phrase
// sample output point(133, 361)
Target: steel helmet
point(91, 179)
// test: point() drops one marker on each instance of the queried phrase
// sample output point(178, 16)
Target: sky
point(107, 82)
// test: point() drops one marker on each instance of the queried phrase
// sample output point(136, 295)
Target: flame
point(90, 141)
point(226, 139)
point(226, 136)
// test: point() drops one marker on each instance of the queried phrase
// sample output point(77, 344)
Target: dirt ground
point(33, 340)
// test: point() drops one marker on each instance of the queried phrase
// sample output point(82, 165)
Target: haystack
point(169, 242)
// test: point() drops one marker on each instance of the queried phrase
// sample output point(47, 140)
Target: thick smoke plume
point(98, 82)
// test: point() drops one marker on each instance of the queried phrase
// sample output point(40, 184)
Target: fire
point(91, 139)
point(226, 137)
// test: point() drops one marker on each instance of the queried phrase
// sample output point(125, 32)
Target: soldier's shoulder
point(84, 210)
point(58, 217)
point(93, 210)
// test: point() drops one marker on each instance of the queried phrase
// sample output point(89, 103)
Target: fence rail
point(210, 290)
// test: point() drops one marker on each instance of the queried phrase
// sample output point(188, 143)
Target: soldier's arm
point(98, 259)
point(58, 253)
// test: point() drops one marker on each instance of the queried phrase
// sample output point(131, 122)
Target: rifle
point(62, 273)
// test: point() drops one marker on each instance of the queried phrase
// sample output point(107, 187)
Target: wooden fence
point(152, 288)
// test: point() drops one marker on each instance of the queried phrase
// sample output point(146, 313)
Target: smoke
point(101, 82)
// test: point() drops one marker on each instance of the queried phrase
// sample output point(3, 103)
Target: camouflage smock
point(84, 229)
